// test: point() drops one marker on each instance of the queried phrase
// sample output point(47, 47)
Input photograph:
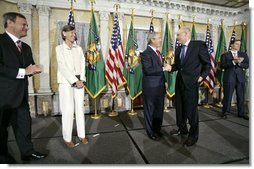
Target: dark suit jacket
point(153, 76)
point(234, 73)
point(196, 63)
point(13, 90)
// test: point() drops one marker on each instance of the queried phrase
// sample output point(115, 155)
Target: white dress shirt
point(22, 71)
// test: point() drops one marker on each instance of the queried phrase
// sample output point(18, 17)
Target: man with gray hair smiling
point(153, 85)
point(193, 64)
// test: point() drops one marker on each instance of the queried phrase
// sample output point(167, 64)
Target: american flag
point(210, 79)
point(232, 39)
point(71, 21)
point(177, 44)
point(71, 18)
point(151, 29)
point(115, 61)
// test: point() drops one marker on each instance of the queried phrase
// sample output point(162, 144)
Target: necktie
point(182, 53)
point(159, 55)
point(19, 45)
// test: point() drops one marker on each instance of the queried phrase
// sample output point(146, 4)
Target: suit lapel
point(12, 47)
point(155, 56)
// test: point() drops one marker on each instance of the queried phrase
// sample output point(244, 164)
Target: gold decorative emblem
point(92, 54)
point(133, 59)
point(170, 58)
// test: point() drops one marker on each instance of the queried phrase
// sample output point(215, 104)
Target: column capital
point(43, 10)
point(25, 8)
point(104, 16)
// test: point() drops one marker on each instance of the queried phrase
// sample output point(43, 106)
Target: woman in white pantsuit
point(70, 77)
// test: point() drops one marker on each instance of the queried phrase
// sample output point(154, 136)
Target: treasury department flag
point(95, 68)
point(193, 32)
point(133, 68)
point(243, 47)
point(168, 56)
point(115, 61)
point(221, 48)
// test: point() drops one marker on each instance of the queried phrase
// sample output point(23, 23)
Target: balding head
point(183, 34)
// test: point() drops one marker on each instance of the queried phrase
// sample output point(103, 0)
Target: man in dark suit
point(234, 62)
point(16, 63)
point(153, 85)
point(193, 64)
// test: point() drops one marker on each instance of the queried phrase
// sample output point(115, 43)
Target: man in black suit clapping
point(234, 62)
point(16, 64)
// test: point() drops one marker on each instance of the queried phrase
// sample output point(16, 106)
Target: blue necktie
point(182, 53)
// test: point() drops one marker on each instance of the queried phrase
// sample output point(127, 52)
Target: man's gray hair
point(151, 36)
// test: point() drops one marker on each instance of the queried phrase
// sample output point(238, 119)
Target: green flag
point(193, 32)
point(168, 55)
point(133, 68)
point(243, 47)
point(221, 48)
point(95, 69)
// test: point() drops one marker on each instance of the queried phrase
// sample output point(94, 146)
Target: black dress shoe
point(190, 142)
point(244, 117)
point(152, 136)
point(34, 156)
point(175, 132)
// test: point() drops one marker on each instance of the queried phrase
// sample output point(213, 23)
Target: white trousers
point(72, 100)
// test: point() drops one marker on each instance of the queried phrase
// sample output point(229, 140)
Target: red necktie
point(19, 45)
point(159, 55)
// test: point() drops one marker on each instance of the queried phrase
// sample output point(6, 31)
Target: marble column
point(44, 51)
point(121, 20)
point(104, 29)
point(26, 10)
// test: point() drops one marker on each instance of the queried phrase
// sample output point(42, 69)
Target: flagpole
point(165, 101)
point(113, 113)
point(221, 88)
point(132, 112)
point(96, 115)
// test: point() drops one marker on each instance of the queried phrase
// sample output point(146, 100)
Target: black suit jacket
point(153, 76)
point(196, 63)
point(234, 73)
point(13, 90)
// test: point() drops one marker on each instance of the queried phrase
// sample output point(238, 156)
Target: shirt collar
point(67, 47)
point(154, 49)
point(13, 37)
point(187, 43)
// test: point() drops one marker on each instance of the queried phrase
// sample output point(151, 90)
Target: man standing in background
point(234, 62)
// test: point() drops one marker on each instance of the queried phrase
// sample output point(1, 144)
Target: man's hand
point(238, 59)
point(32, 69)
point(167, 67)
point(200, 79)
